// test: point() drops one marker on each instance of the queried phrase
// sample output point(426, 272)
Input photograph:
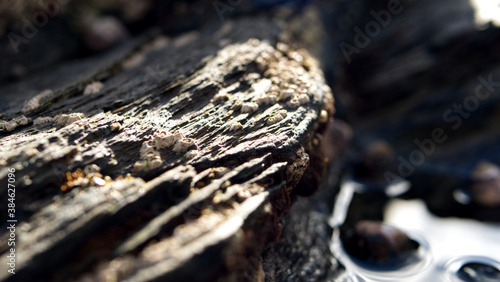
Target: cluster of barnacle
point(277, 117)
point(89, 177)
point(35, 102)
point(282, 78)
point(150, 150)
point(65, 119)
point(14, 123)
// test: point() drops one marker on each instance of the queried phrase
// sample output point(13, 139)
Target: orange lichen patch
point(83, 179)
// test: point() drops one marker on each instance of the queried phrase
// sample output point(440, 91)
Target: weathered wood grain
point(176, 163)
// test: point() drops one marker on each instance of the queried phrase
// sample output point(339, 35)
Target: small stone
point(379, 243)
point(486, 184)
point(104, 32)
point(377, 159)
point(475, 271)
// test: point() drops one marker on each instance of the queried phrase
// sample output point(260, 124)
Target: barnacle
point(11, 125)
point(263, 99)
point(191, 154)
point(283, 113)
point(42, 120)
point(146, 148)
point(294, 102)
point(116, 126)
point(166, 139)
point(285, 94)
point(249, 107)
point(235, 126)
point(155, 162)
point(237, 105)
point(220, 98)
point(21, 120)
point(183, 144)
point(303, 99)
point(93, 88)
point(35, 102)
point(275, 118)
point(64, 119)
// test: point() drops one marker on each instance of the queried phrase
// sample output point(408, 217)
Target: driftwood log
point(164, 159)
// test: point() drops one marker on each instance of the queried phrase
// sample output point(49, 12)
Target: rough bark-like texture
point(166, 160)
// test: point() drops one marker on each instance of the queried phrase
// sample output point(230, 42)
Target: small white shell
point(93, 88)
point(249, 107)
